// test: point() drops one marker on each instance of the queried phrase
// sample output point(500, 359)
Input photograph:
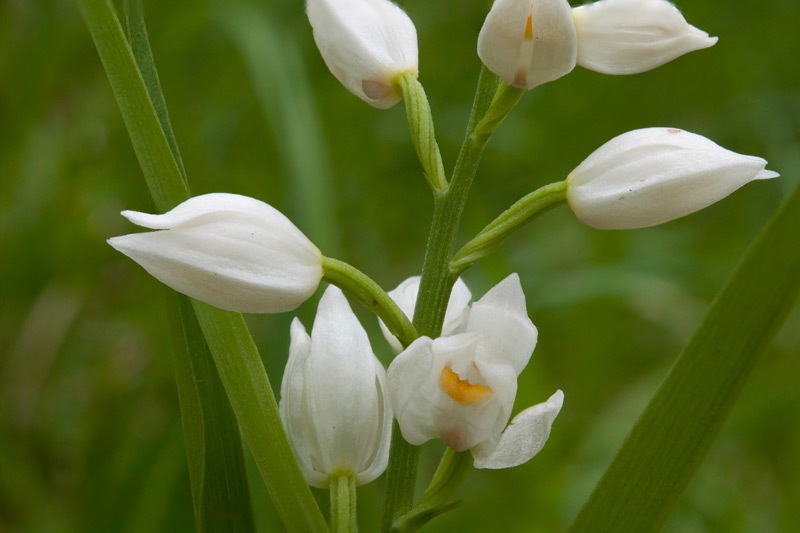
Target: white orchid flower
point(334, 401)
point(632, 36)
point(528, 42)
point(366, 44)
point(231, 251)
point(651, 176)
point(461, 388)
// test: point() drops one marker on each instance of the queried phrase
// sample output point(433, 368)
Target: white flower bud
point(651, 176)
point(334, 401)
point(231, 251)
point(366, 44)
point(528, 42)
point(632, 36)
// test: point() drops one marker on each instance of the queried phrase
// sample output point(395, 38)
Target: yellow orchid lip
point(461, 390)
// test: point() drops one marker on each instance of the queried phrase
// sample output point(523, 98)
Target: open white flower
point(651, 176)
point(461, 388)
point(334, 402)
point(366, 44)
point(231, 251)
point(528, 42)
point(632, 36)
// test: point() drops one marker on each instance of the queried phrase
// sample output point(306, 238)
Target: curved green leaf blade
point(673, 435)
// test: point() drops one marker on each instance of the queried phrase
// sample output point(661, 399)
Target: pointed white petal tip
point(766, 175)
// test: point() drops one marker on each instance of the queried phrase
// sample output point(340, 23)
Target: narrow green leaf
point(140, 46)
point(673, 435)
point(214, 448)
point(235, 355)
point(220, 491)
point(160, 170)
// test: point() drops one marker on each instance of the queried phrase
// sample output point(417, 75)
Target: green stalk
point(437, 277)
point(493, 235)
point(369, 293)
point(343, 503)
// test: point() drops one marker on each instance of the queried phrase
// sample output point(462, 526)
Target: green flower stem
point(235, 356)
point(420, 122)
point(369, 293)
point(343, 503)
point(437, 278)
point(490, 237)
point(438, 498)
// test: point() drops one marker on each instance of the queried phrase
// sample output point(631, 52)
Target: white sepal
point(334, 399)
point(632, 36)
point(651, 176)
point(524, 437)
point(528, 42)
point(366, 44)
point(405, 296)
point(231, 251)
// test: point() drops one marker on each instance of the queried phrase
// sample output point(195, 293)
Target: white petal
point(455, 317)
point(340, 386)
point(412, 388)
point(375, 464)
point(405, 296)
point(631, 36)
point(528, 42)
point(654, 175)
point(292, 409)
point(502, 318)
point(523, 438)
point(366, 44)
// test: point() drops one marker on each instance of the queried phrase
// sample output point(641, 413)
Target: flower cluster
point(338, 402)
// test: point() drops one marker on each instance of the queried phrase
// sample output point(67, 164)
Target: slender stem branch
point(524, 210)
point(343, 503)
point(371, 294)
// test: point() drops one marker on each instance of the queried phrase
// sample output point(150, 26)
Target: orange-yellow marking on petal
point(529, 29)
point(461, 390)
point(525, 55)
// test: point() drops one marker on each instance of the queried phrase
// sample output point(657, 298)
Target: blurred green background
point(90, 434)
